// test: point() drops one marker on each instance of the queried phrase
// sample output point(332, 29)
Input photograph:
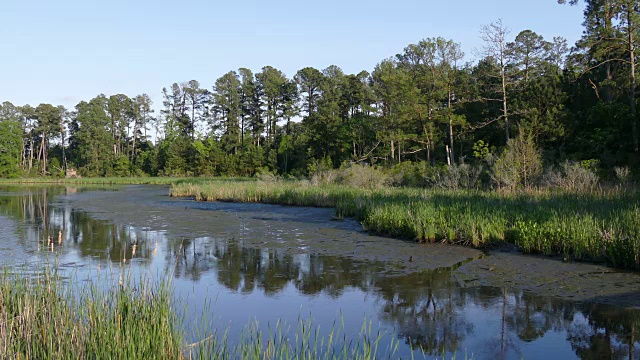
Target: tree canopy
point(424, 104)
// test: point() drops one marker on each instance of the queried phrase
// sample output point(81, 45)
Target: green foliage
point(121, 167)
point(10, 146)
point(55, 168)
point(175, 156)
point(409, 173)
point(424, 105)
point(77, 322)
point(520, 163)
point(481, 150)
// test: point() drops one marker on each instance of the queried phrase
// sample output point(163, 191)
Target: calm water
point(242, 263)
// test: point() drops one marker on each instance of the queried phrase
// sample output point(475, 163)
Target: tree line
point(424, 105)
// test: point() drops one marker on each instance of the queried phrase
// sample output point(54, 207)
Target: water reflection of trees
point(606, 332)
point(57, 227)
point(245, 269)
point(428, 310)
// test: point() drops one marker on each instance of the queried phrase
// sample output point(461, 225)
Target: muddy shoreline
point(305, 229)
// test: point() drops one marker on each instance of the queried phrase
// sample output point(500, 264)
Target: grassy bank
point(598, 226)
point(49, 317)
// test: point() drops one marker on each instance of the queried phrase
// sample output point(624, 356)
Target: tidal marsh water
point(240, 264)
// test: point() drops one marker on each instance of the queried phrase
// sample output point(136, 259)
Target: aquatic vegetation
point(45, 316)
point(48, 316)
point(592, 226)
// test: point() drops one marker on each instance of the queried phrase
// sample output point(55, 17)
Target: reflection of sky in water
point(238, 284)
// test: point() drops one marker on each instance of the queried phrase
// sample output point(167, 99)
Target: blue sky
point(64, 51)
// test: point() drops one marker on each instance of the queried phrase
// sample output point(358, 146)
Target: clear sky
point(64, 51)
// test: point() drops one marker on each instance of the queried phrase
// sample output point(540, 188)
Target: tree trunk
point(242, 132)
point(193, 116)
point(428, 150)
point(113, 134)
point(30, 150)
point(393, 151)
point(39, 159)
point(451, 159)
point(119, 144)
point(354, 150)
point(135, 136)
point(632, 90)
point(504, 102)
point(64, 156)
point(23, 154)
point(608, 93)
point(43, 157)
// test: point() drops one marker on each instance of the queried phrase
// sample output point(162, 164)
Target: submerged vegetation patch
point(601, 226)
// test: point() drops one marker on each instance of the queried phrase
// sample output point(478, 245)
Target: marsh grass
point(599, 226)
point(308, 341)
point(47, 316)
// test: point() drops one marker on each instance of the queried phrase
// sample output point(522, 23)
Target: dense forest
point(423, 107)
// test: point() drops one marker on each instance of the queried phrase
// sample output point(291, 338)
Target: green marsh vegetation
point(508, 198)
point(48, 316)
point(596, 225)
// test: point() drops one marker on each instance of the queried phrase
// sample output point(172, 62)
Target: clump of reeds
point(48, 317)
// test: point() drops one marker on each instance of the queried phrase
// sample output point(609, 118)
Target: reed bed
point(601, 226)
point(46, 316)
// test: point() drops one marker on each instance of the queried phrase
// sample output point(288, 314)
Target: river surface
point(240, 264)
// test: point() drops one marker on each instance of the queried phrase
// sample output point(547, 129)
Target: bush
point(408, 173)
point(263, 174)
point(519, 165)
point(362, 176)
point(622, 174)
point(356, 175)
point(455, 177)
point(571, 177)
point(321, 172)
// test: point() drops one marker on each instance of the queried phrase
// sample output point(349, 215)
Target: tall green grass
point(599, 226)
point(47, 316)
